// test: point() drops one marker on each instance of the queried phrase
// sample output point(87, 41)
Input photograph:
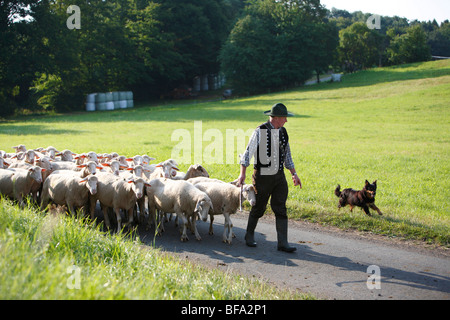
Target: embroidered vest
point(264, 160)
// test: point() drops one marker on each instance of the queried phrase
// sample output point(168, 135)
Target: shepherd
point(269, 145)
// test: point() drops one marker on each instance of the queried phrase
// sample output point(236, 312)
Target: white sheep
point(44, 163)
point(195, 170)
point(82, 170)
point(66, 155)
point(116, 193)
point(226, 199)
point(17, 183)
point(180, 197)
point(70, 190)
point(166, 169)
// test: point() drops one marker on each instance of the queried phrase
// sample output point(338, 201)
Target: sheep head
point(203, 207)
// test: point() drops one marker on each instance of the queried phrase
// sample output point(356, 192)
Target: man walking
point(269, 145)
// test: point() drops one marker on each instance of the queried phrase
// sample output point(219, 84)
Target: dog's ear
point(375, 182)
point(367, 183)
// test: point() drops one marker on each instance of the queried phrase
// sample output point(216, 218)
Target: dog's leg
point(366, 210)
point(351, 208)
point(374, 207)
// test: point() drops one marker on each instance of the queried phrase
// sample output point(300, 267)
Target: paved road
point(330, 265)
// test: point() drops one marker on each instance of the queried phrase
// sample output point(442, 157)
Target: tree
point(439, 40)
point(409, 47)
point(359, 47)
point(276, 44)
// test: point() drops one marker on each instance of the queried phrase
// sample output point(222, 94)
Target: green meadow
point(385, 124)
point(49, 257)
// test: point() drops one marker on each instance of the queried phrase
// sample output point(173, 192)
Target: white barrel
point(91, 97)
point(90, 106)
point(109, 101)
point(90, 102)
point(100, 101)
point(122, 99)
point(197, 83)
point(130, 102)
point(336, 77)
point(116, 100)
point(204, 83)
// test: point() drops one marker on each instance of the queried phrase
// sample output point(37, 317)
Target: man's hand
point(241, 179)
point(296, 181)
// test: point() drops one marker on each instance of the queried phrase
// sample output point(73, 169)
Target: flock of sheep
point(145, 192)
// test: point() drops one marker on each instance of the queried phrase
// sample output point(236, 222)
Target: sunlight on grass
point(385, 124)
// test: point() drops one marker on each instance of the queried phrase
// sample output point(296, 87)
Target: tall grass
point(56, 257)
point(385, 124)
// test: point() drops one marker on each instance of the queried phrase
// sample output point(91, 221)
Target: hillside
point(386, 124)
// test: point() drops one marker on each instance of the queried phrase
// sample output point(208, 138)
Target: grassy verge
point(385, 124)
point(55, 257)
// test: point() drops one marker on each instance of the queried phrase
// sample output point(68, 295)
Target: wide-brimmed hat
point(279, 110)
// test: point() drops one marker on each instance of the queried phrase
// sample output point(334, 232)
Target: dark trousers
point(274, 187)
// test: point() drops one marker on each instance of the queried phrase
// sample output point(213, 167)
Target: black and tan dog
point(364, 198)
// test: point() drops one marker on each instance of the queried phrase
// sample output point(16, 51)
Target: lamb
point(3, 163)
point(43, 162)
point(64, 165)
point(17, 183)
point(114, 192)
point(66, 155)
point(70, 190)
point(82, 170)
point(180, 197)
point(195, 170)
point(114, 167)
point(226, 199)
point(165, 169)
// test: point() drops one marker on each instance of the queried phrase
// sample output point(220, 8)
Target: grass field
point(51, 257)
point(385, 124)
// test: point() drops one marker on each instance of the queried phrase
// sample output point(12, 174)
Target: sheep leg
point(211, 219)
point(193, 225)
point(130, 218)
point(227, 232)
point(161, 218)
point(119, 219)
point(184, 221)
point(92, 208)
point(106, 217)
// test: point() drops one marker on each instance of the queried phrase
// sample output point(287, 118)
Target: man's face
point(278, 122)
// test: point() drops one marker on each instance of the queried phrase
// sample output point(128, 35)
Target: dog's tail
point(337, 192)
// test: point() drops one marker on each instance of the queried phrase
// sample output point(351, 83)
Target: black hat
point(279, 110)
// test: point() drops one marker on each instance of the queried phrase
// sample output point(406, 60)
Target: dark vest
point(283, 141)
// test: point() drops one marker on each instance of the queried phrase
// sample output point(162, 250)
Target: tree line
point(153, 46)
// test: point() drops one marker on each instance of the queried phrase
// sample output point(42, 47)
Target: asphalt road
point(330, 264)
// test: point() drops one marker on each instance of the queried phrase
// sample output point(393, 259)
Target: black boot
point(282, 231)
point(250, 235)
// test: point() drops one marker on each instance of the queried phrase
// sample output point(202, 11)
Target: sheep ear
point(82, 180)
point(147, 184)
point(106, 164)
point(198, 207)
point(129, 159)
point(175, 168)
point(98, 167)
point(43, 170)
point(130, 169)
point(158, 166)
point(81, 166)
